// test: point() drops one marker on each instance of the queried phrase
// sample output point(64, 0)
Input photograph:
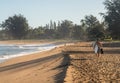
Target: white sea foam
point(26, 50)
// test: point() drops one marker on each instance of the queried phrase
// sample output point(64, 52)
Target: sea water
point(12, 50)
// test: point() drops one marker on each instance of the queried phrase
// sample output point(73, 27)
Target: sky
point(40, 12)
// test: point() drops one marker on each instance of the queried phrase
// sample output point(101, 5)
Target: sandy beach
point(36, 68)
point(85, 67)
point(74, 63)
point(43, 67)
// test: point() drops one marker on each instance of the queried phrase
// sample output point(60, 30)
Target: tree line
point(17, 27)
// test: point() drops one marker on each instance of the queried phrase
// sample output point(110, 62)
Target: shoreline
point(40, 47)
point(22, 42)
point(4, 58)
point(36, 65)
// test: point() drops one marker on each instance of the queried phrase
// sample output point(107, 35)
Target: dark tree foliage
point(64, 29)
point(93, 27)
point(112, 17)
point(16, 26)
point(97, 32)
point(78, 32)
point(91, 21)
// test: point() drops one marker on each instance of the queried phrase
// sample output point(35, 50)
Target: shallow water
point(11, 50)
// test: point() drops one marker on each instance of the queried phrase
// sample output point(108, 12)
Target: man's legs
point(98, 52)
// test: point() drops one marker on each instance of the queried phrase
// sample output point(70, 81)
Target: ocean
point(12, 50)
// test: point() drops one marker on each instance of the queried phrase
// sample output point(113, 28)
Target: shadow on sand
point(59, 78)
point(112, 44)
point(30, 63)
point(112, 51)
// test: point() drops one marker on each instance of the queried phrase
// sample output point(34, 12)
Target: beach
point(41, 67)
point(85, 67)
point(35, 68)
point(70, 63)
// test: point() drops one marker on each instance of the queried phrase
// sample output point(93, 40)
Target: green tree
point(90, 21)
point(97, 32)
point(65, 28)
point(16, 26)
point(112, 17)
point(78, 32)
point(93, 27)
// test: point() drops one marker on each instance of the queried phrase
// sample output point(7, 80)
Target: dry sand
point(68, 64)
point(25, 41)
point(85, 67)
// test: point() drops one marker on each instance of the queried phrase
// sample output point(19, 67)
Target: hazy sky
point(40, 12)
